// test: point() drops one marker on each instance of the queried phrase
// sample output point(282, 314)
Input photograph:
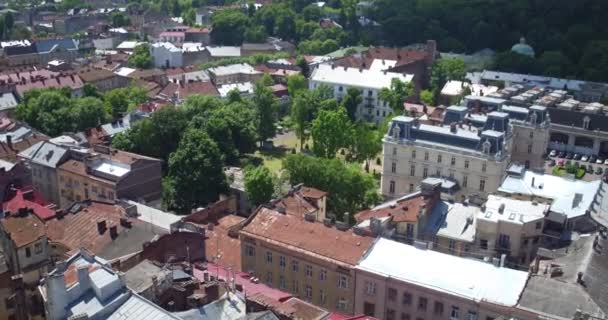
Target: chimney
point(57, 295)
point(533, 179)
point(101, 226)
point(113, 231)
point(108, 59)
point(9, 141)
point(501, 208)
point(503, 257)
point(347, 218)
point(83, 277)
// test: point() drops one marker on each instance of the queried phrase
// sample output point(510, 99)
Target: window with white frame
point(309, 271)
point(343, 282)
point(268, 257)
point(370, 287)
point(323, 275)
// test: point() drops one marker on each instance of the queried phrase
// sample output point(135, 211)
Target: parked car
point(569, 155)
point(553, 153)
point(584, 158)
point(589, 169)
point(599, 161)
point(598, 170)
point(551, 163)
point(561, 154)
point(577, 157)
point(606, 161)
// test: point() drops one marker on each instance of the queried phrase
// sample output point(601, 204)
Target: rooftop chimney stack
point(101, 226)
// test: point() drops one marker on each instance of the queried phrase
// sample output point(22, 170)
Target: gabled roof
point(30, 199)
point(24, 228)
point(310, 238)
point(45, 153)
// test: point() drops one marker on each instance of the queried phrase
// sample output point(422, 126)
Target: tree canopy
point(350, 189)
point(259, 185)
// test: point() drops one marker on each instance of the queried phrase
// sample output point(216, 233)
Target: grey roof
point(48, 45)
point(462, 138)
point(44, 153)
point(562, 295)
point(231, 306)
point(138, 308)
point(7, 101)
point(452, 220)
point(117, 127)
point(131, 240)
point(139, 278)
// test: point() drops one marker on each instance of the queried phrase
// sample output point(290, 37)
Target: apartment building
point(512, 227)
point(234, 73)
point(475, 159)
point(434, 285)
point(368, 81)
point(404, 218)
point(107, 174)
point(43, 158)
point(295, 253)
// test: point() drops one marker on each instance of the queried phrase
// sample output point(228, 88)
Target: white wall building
point(370, 82)
point(475, 158)
point(400, 281)
point(166, 55)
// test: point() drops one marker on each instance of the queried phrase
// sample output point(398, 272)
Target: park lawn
point(561, 171)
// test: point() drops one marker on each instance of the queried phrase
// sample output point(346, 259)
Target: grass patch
point(579, 173)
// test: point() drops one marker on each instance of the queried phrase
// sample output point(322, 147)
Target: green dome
point(523, 48)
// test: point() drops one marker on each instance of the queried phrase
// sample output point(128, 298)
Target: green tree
point(119, 19)
point(196, 176)
point(427, 97)
point(259, 185)
point(351, 102)
point(331, 131)
point(157, 136)
point(396, 94)
point(189, 17)
point(351, 190)
point(229, 27)
point(88, 112)
point(366, 144)
point(301, 116)
point(141, 57)
point(295, 84)
point(265, 104)
point(90, 90)
point(303, 65)
point(256, 34)
point(444, 70)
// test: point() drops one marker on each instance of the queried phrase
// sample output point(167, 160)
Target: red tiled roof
point(79, 230)
point(311, 238)
point(198, 30)
point(35, 202)
point(365, 59)
point(220, 247)
point(71, 81)
point(405, 210)
point(313, 193)
point(24, 229)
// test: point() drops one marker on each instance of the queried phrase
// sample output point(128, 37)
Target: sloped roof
point(310, 238)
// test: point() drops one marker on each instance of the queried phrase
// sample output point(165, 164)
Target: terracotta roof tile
point(313, 193)
point(311, 237)
point(220, 245)
point(24, 228)
point(401, 210)
point(365, 59)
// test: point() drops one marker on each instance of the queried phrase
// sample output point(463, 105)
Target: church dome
point(523, 48)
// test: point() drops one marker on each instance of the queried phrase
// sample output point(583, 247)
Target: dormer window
point(586, 121)
point(396, 131)
point(485, 147)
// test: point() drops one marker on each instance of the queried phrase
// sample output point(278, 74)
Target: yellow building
point(108, 174)
point(298, 254)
